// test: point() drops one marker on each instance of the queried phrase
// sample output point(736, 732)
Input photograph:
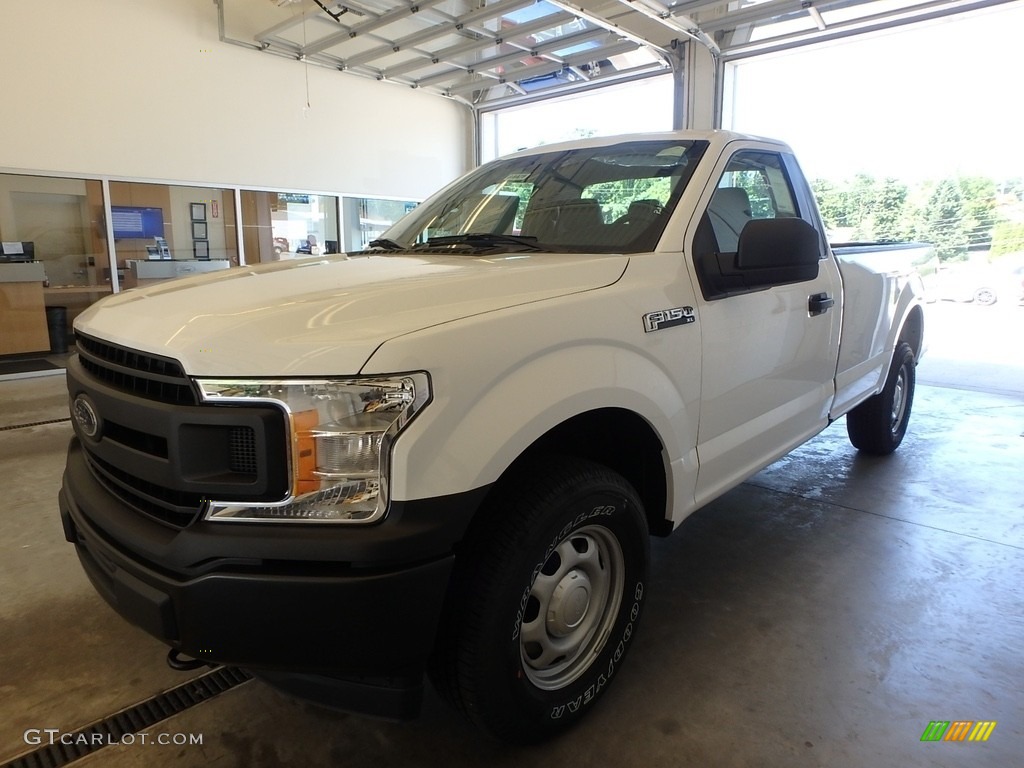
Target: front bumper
point(310, 603)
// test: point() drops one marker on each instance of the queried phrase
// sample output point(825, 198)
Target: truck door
point(769, 350)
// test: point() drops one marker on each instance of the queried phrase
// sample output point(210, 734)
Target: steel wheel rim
point(899, 400)
point(572, 607)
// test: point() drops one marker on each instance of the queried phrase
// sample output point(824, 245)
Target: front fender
point(497, 389)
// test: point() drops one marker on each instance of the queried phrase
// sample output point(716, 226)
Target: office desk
point(54, 293)
point(22, 311)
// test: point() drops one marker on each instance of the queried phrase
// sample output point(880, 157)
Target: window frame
point(717, 275)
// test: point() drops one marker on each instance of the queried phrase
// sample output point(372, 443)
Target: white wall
point(144, 89)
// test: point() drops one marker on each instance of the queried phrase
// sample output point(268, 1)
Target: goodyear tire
point(879, 424)
point(545, 602)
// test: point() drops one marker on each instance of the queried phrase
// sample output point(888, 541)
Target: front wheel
point(878, 425)
point(546, 598)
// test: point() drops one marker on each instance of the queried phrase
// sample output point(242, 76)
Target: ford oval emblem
point(84, 413)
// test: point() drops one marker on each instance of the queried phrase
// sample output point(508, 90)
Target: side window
point(753, 186)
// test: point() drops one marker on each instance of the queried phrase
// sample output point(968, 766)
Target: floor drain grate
point(72, 745)
point(35, 424)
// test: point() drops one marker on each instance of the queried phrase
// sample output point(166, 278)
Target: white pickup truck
point(446, 454)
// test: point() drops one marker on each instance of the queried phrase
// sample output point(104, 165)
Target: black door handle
point(819, 304)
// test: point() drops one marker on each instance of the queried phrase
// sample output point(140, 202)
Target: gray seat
point(729, 212)
point(637, 219)
point(488, 214)
point(566, 222)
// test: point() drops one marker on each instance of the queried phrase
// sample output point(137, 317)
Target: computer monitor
point(133, 221)
point(17, 250)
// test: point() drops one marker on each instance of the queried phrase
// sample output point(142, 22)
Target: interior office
point(248, 159)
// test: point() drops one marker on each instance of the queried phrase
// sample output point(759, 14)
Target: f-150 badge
point(666, 318)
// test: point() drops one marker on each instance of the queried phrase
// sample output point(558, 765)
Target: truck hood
point(317, 317)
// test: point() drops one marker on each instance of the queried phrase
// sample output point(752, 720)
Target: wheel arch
point(616, 438)
point(912, 331)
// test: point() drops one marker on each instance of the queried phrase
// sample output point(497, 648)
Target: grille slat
point(148, 376)
point(167, 463)
point(152, 378)
point(175, 508)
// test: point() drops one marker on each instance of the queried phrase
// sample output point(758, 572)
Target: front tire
point(546, 596)
point(878, 425)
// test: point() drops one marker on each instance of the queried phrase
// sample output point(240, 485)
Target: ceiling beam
point(937, 9)
point(383, 20)
point(611, 26)
point(487, 80)
point(479, 16)
point(484, 65)
point(662, 14)
point(436, 57)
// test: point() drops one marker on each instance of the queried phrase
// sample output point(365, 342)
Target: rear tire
point(546, 596)
point(986, 297)
point(878, 425)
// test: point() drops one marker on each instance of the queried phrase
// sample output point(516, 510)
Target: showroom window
point(164, 231)
point(277, 226)
point(367, 218)
point(53, 258)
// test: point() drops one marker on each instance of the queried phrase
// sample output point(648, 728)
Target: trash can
point(57, 326)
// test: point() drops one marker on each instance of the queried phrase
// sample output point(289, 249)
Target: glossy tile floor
point(821, 614)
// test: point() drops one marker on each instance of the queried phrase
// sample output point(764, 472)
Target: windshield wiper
point(486, 240)
point(387, 245)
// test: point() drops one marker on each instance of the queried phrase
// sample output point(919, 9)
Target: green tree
point(1008, 237)
point(944, 222)
point(832, 202)
point(861, 206)
point(890, 210)
point(980, 216)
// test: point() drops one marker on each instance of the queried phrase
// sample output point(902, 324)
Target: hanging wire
point(305, 61)
point(336, 16)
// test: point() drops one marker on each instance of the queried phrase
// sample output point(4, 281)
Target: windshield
point(610, 199)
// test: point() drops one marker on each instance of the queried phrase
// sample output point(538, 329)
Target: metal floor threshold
point(34, 424)
point(62, 748)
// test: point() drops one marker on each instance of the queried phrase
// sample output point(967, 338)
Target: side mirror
point(776, 251)
point(768, 243)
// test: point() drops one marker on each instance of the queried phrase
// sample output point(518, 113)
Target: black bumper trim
point(353, 623)
point(303, 606)
point(411, 532)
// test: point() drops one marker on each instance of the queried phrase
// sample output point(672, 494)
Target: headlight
point(340, 438)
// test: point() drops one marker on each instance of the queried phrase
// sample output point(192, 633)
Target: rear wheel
point(985, 296)
point(879, 424)
point(545, 600)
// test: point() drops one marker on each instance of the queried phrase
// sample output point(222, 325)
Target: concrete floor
point(821, 614)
